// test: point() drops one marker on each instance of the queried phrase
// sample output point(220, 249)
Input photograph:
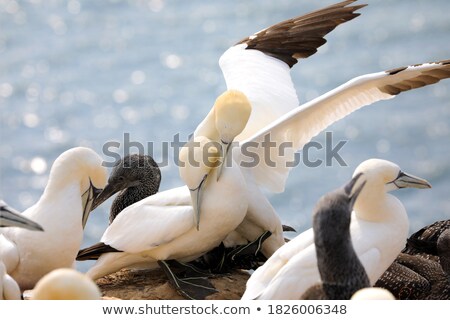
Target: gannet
point(9, 217)
point(135, 177)
point(373, 294)
point(422, 270)
point(76, 178)
point(169, 227)
point(341, 272)
point(259, 67)
point(379, 228)
point(183, 201)
point(65, 284)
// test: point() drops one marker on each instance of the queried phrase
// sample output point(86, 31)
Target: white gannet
point(379, 228)
point(259, 66)
point(167, 225)
point(9, 217)
point(65, 284)
point(341, 272)
point(63, 209)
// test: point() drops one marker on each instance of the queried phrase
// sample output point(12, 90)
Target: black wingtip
point(300, 37)
point(95, 251)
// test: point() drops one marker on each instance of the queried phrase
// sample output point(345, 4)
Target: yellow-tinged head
point(66, 284)
point(232, 111)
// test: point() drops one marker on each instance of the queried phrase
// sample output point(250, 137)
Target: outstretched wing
point(292, 131)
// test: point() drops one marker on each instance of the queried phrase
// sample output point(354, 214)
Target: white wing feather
point(158, 219)
point(266, 82)
point(300, 125)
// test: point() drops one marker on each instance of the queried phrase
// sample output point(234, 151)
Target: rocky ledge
point(153, 285)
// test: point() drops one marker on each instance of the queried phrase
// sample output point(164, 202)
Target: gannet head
point(232, 110)
point(66, 284)
point(197, 159)
point(130, 171)
point(389, 175)
point(383, 176)
point(10, 217)
point(82, 165)
point(373, 294)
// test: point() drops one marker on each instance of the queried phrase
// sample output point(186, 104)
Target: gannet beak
point(225, 148)
point(105, 194)
point(88, 199)
point(405, 180)
point(196, 196)
point(12, 218)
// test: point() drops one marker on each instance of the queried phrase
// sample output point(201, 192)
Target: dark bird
point(341, 271)
point(135, 177)
point(422, 270)
point(424, 241)
point(10, 217)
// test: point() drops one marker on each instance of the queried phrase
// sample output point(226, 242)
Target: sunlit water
point(82, 73)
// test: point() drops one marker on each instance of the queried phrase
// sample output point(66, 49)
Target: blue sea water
point(83, 73)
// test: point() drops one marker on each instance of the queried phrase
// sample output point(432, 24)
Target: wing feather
point(259, 65)
point(151, 222)
point(292, 131)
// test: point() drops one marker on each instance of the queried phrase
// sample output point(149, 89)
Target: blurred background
point(82, 73)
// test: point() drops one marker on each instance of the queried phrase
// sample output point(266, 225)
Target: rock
point(153, 285)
